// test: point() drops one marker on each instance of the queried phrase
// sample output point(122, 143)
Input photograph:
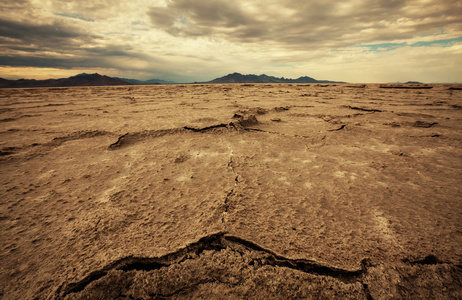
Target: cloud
point(198, 40)
point(13, 4)
point(201, 18)
point(99, 57)
point(298, 24)
point(50, 61)
point(52, 35)
point(98, 10)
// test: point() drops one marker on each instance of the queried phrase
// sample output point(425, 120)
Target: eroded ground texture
point(231, 191)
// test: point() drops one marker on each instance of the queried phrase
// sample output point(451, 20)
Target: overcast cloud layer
point(184, 41)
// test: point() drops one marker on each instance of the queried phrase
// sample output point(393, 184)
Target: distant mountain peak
point(82, 79)
point(149, 81)
point(263, 78)
point(87, 75)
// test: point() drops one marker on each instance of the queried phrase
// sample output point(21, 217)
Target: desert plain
point(233, 191)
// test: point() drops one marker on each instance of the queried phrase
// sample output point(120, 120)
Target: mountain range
point(103, 80)
point(150, 81)
point(239, 78)
point(77, 80)
point(83, 79)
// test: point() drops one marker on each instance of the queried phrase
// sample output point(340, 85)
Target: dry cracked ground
point(231, 191)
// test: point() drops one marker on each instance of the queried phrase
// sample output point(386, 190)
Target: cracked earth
point(231, 191)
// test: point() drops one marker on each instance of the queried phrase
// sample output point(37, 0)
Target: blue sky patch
point(75, 16)
point(440, 43)
point(392, 46)
point(383, 46)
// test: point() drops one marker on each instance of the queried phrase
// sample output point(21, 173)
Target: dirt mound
point(248, 121)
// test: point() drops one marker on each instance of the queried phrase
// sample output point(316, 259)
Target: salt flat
point(231, 191)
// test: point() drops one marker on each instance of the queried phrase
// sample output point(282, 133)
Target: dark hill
point(150, 81)
point(78, 80)
point(239, 78)
point(92, 80)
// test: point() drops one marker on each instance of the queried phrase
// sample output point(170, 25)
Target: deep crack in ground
point(217, 242)
point(221, 250)
point(232, 192)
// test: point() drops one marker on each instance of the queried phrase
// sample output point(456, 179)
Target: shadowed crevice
point(241, 125)
point(216, 242)
point(210, 242)
point(419, 87)
point(279, 133)
point(204, 129)
point(259, 255)
point(423, 124)
point(221, 241)
point(337, 129)
point(228, 197)
point(363, 109)
point(367, 293)
point(303, 265)
point(132, 138)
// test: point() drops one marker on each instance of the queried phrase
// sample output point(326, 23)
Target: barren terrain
point(231, 191)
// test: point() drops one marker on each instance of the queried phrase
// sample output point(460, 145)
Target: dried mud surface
point(231, 191)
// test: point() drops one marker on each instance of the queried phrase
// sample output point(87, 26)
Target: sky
point(186, 41)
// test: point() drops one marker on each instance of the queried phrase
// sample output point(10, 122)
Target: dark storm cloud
point(296, 23)
point(26, 44)
point(29, 37)
point(203, 13)
point(42, 36)
point(112, 50)
point(198, 18)
point(87, 58)
point(49, 62)
point(82, 58)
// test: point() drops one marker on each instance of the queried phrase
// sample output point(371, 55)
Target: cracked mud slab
point(231, 191)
